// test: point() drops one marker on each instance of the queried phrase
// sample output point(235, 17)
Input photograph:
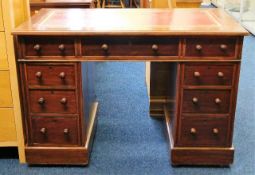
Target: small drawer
point(51, 75)
point(206, 101)
point(208, 74)
point(130, 46)
point(211, 47)
point(5, 90)
point(53, 101)
point(49, 46)
point(203, 131)
point(54, 131)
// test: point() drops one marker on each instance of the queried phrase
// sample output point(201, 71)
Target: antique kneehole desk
point(192, 80)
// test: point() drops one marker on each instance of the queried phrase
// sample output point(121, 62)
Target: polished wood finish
point(52, 101)
point(57, 131)
point(57, 75)
point(208, 74)
point(195, 80)
point(134, 22)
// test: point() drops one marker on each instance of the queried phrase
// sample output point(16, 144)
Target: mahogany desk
point(199, 48)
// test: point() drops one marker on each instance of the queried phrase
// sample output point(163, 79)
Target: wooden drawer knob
point(220, 74)
point(37, 47)
point(66, 131)
point(105, 47)
point(193, 131)
point(63, 101)
point(38, 75)
point(223, 47)
point(215, 131)
point(61, 47)
point(199, 47)
point(62, 75)
point(197, 74)
point(217, 100)
point(195, 100)
point(155, 47)
point(41, 101)
point(43, 130)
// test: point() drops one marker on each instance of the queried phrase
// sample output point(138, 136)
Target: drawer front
point(54, 131)
point(7, 125)
point(203, 131)
point(50, 75)
point(5, 90)
point(208, 74)
point(130, 46)
point(210, 47)
point(50, 101)
point(49, 46)
point(206, 101)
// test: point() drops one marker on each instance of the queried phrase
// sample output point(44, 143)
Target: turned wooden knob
point(217, 100)
point(195, 100)
point(197, 74)
point(104, 47)
point(37, 47)
point(199, 47)
point(41, 101)
point(38, 75)
point(61, 47)
point(220, 74)
point(43, 130)
point(66, 131)
point(215, 131)
point(154, 47)
point(223, 47)
point(62, 75)
point(63, 101)
point(193, 131)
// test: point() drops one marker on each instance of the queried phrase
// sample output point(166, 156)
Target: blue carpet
point(129, 142)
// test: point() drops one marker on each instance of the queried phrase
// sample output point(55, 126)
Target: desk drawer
point(211, 47)
point(5, 90)
point(49, 46)
point(206, 101)
point(51, 75)
point(203, 131)
point(208, 74)
point(130, 46)
point(53, 101)
point(54, 131)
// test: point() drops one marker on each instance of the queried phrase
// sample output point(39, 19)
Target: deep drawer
point(206, 101)
point(54, 131)
point(50, 74)
point(208, 74)
point(203, 131)
point(130, 46)
point(53, 101)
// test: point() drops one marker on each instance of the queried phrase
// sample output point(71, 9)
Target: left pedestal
point(59, 111)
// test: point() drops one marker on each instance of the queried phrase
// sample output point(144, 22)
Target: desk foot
point(65, 155)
